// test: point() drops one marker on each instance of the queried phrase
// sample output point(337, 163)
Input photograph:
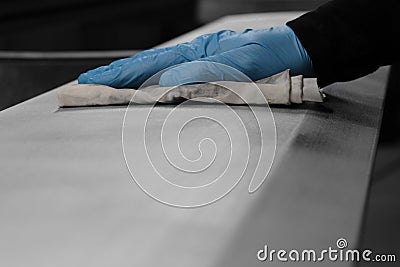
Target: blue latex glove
point(256, 53)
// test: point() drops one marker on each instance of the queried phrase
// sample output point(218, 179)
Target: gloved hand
point(256, 53)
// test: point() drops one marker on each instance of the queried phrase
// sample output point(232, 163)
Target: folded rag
point(277, 89)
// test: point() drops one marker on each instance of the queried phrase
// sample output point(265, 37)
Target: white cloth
point(277, 89)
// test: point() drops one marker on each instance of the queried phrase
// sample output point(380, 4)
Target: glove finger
point(94, 75)
point(200, 72)
point(132, 72)
point(214, 43)
point(143, 54)
point(84, 77)
point(250, 60)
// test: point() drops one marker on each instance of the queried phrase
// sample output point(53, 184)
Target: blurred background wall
point(116, 24)
point(92, 24)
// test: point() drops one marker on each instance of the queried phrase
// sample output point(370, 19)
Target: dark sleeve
point(347, 39)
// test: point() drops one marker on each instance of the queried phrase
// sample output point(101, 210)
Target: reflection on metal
point(66, 54)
